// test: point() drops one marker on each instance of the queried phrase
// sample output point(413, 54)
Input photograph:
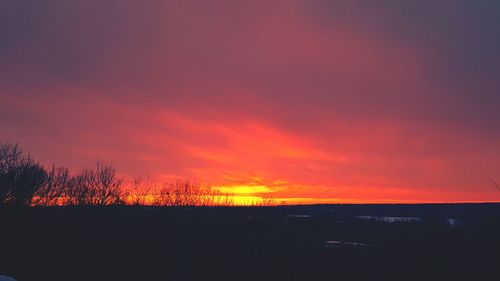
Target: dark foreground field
point(326, 242)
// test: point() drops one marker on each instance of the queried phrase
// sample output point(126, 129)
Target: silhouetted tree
point(25, 182)
point(177, 193)
point(95, 187)
point(141, 192)
point(53, 190)
point(20, 176)
point(267, 201)
point(186, 193)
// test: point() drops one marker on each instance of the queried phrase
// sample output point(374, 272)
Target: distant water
point(390, 219)
point(6, 278)
point(453, 223)
point(299, 216)
point(335, 243)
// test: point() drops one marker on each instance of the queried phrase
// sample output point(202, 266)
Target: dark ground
point(257, 243)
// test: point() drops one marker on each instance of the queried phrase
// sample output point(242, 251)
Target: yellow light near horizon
point(243, 189)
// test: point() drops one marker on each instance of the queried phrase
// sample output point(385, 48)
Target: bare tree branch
point(20, 176)
point(495, 183)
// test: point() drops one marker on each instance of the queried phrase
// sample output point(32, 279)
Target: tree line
point(25, 182)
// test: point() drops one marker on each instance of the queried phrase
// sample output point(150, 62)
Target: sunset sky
point(305, 101)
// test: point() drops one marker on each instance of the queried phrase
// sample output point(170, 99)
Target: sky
point(304, 101)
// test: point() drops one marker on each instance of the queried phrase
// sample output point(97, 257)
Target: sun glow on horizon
point(243, 189)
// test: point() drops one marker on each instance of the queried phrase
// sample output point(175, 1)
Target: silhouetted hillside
point(324, 242)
